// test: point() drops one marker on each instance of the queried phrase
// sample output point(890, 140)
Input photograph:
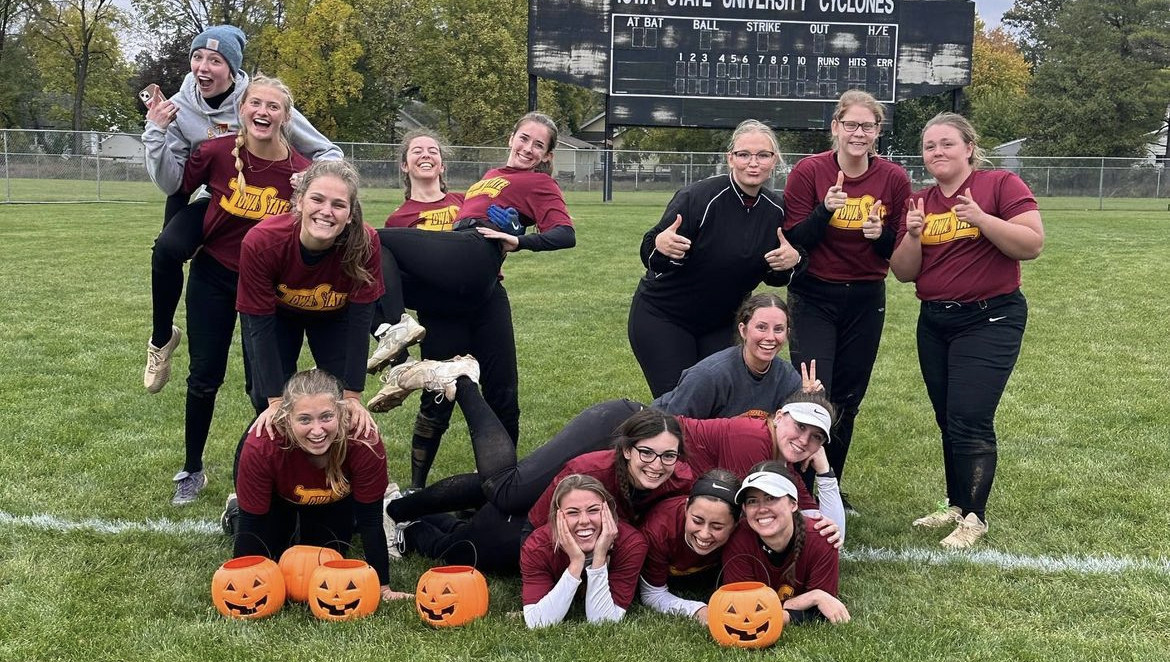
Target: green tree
point(469, 60)
point(313, 51)
point(909, 118)
point(77, 51)
point(1000, 75)
point(1097, 91)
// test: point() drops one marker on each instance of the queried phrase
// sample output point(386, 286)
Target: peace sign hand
point(836, 198)
point(808, 378)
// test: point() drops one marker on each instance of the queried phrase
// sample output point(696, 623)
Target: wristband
point(828, 474)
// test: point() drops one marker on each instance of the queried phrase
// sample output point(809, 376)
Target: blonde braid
point(240, 182)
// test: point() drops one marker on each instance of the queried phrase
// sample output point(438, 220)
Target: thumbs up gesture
point(836, 197)
point(672, 244)
point(783, 257)
point(916, 218)
point(871, 229)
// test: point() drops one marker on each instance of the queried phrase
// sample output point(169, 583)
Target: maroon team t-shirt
point(736, 444)
point(274, 275)
point(958, 262)
point(535, 195)
point(541, 568)
point(845, 254)
point(817, 567)
point(267, 469)
point(233, 212)
point(668, 554)
point(439, 215)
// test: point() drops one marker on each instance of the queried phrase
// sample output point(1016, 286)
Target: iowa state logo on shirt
point(489, 187)
point(440, 220)
point(319, 298)
point(306, 496)
point(253, 203)
point(946, 227)
point(854, 213)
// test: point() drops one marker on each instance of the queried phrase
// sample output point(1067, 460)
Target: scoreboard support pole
point(531, 92)
point(607, 158)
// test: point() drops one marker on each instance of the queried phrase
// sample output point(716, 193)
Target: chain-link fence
point(47, 166)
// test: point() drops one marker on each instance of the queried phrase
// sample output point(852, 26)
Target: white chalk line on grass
point(1085, 565)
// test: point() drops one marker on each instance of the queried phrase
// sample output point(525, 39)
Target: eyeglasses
point(648, 456)
point(744, 156)
point(868, 127)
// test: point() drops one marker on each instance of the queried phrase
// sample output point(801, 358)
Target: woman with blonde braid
point(248, 175)
point(775, 545)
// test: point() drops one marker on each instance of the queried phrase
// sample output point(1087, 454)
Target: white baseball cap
point(768, 483)
point(810, 413)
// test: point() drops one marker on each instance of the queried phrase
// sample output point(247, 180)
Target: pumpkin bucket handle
point(267, 549)
point(723, 566)
point(474, 551)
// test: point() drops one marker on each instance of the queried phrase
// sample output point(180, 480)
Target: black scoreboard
point(713, 63)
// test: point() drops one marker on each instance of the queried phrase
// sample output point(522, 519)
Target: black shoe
point(229, 521)
point(849, 509)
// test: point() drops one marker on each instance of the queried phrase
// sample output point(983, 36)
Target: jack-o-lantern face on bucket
point(451, 595)
point(344, 589)
point(248, 587)
point(745, 615)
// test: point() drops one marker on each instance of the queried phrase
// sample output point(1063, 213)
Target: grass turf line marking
point(53, 523)
point(1085, 565)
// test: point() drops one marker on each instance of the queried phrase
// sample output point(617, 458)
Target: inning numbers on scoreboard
point(674, 56)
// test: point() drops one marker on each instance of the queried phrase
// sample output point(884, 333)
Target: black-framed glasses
point(648, 456)
point(744, 156)
point(868, 127)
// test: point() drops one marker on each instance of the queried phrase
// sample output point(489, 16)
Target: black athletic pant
point(181, 236)
point(485, 333)
point(967, 352)
point(502, 489)
point(444, 273)
point(839, 325)
point(665, 347)
point(513, 487)
point(211, 321)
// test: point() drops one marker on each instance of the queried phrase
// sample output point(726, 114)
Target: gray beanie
point(227, 40)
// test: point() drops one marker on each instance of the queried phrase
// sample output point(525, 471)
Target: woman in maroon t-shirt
point(313, 482)
point(961, 244)
point(685, 537)
point(451, 273)
point(583, 540)
point(843, 208)
point(775, 545)
point(248, 176)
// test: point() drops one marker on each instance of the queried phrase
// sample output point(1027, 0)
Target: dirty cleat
point(392, 340)
point(188, 486)
point(440, 376)
point(397, 383)
point(158, 362)
point(945, 515)
point(969, 531)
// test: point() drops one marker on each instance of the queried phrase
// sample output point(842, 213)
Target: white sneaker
point(392, 340)
point(946, 515)
point(440, 376)
point(969, 531)
point(397, 383)
point(158, 362)
point(395, 536)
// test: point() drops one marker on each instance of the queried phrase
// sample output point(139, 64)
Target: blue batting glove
point(507, 219)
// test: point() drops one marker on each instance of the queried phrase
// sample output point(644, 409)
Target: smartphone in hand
point(150, 95)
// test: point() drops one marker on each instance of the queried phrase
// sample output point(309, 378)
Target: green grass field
point(96, 563)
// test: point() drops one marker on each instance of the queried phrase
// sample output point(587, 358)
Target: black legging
point(447, 273)
point(181, 236)
point(511, 486)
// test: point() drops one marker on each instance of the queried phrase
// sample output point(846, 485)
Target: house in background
point(120, 146)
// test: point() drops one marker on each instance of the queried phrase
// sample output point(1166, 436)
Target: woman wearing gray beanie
point(205, 107)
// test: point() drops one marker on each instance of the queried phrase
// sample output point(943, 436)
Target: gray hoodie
point(167, 149)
